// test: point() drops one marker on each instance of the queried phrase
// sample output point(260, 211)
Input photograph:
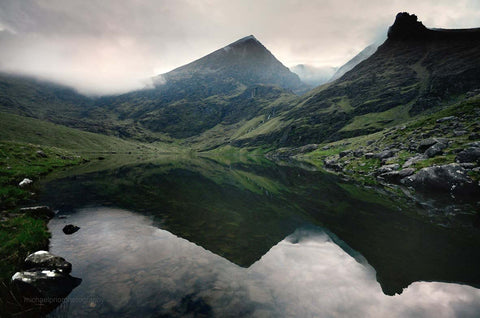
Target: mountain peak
point(406, 26)
point(245, 60)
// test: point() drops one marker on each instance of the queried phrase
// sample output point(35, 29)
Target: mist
point(102, 47)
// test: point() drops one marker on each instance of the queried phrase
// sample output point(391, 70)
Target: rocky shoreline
point(437, 157)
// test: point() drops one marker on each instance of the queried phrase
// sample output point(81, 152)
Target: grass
point(30, 130)
point(22, 234)
point(390, 117)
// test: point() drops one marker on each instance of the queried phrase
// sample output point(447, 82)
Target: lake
point(202, 237)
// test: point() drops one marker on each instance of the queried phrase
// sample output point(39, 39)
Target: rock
point(471, 154)
point(344, 153)
point(25, 182)
point(333, 165)
point(387, 168)
point(474, 136)
point(435, 150)
point(370, 142)
point(396, 176)
point(44, 283)
point(413, 160)
point(385, 154)
point(427, 143)
point(41, 211)
point(307, 148)
point(441, 120)
point(468, 165)
point(48, 261)
point(459, 133)
point(358, 153)
point(451, 178)
point(45, 275)
point(70, 229)
point(41, 154)
point(326, 147)
point(369, 155)
point(474, 144)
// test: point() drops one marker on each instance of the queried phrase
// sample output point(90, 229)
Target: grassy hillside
point(34, 131)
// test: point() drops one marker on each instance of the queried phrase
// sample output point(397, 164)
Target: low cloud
point(103, 47)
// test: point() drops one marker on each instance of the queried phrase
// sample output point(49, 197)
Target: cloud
point(105, 47)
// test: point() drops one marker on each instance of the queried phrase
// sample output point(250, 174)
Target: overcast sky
point(111, 46)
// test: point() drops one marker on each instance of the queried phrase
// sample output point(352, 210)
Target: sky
point(110, 46)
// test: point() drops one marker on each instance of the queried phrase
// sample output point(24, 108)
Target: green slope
point(30, 130)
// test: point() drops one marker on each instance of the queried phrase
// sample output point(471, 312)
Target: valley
point(232, 153)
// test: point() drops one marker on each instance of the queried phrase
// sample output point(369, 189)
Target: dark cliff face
point(415, 70)
point(406, 27)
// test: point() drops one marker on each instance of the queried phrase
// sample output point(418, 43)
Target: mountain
point(362, 56)
point(231, 84)
point(415, 71)
point(314, 76)
point(246, 61)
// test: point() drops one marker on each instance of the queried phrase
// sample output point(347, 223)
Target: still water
point(201, 238)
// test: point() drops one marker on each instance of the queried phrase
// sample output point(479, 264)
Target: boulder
point(387, 168)
point(386, 154)
point(70, 229)
point(332, 164)
point(41, 154)
point(344, 153)
point(427, 143)
point(369, 155)
point(448, 118)
point(41, 211)
point(45, 275)
point(358, 153)
point(396, 176)
point(435, 150)
point(307, 148)
point(451, 178)
point(44, 283)
point(25, 183)
point(47, 261)
point(471, 154)
point(413, 160)
point(474, 136)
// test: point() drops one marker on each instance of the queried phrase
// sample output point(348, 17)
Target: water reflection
point(240, 210)
point(132, 268)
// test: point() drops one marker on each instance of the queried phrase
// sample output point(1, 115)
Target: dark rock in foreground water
point(70, 229)
point(46, 276)
point(451, 178)
point(46, 260)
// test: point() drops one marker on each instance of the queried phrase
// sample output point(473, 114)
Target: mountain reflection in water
point(131, 268)
point(206, 235)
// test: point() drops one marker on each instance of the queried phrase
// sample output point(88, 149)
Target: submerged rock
point(70, 229)
point(451, 178)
